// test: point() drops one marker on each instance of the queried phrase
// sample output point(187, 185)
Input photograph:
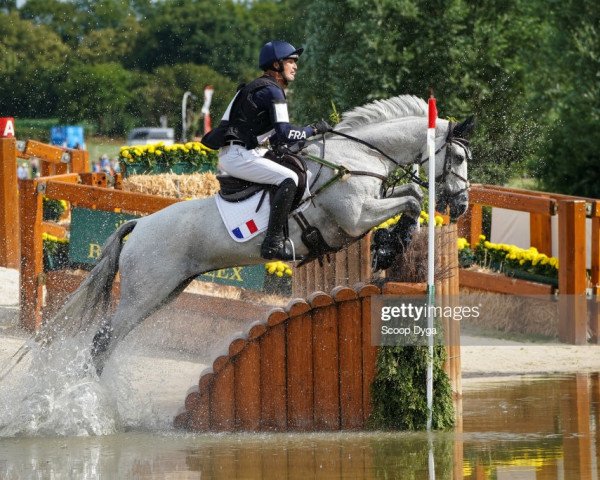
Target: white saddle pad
point(242, 220)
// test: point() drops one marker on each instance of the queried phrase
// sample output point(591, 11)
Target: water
point(533, 428)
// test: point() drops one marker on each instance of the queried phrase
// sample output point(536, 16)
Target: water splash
point(57, 393)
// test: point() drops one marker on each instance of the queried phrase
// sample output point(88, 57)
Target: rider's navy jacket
point(259, 109)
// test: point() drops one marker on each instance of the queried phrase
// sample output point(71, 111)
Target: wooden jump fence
point(310, 366)
point(53, 161)
point(578, 315)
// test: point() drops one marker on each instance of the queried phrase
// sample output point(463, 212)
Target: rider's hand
point(322, 127)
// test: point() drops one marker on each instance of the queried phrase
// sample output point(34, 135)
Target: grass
point(98, 146)
point(526, 183)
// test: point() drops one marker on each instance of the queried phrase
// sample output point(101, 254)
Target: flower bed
point(527, 264)
point(56, 252)
point(160, 158)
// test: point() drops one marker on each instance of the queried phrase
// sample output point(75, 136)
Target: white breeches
point(251, 165)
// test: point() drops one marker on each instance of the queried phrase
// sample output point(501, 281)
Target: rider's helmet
point(276, 51)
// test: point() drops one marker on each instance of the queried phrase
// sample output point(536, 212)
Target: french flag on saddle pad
point(241, 219)
point(245, 230)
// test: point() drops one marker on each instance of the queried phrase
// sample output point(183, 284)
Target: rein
point(342, 173)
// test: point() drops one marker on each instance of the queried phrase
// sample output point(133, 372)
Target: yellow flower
point(158, 153)
point(481, 237)
point(151, 149)
point(439, 221)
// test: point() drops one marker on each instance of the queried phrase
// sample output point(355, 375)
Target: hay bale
point(529, 315)
point(195, 185)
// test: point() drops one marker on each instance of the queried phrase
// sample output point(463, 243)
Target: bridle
point(343, 173)
point(447, 167)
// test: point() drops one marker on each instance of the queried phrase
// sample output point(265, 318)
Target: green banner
point(91, 228)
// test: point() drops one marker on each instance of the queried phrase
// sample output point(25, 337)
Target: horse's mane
point(382, 110)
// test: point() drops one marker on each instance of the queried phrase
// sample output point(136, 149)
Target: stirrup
point(281, 252)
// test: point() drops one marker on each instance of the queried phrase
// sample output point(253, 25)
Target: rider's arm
point(273, 99)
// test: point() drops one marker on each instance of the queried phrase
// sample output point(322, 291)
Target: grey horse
point(165, 251)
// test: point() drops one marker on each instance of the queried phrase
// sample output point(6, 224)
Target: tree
point(162, 93)
point(100, 93)
point(110, 44)
point(219, 35)
point(569, 160)
point(470, 54)
point(61, 17)
point(31, 58)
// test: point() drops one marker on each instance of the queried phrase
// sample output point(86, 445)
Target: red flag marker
point(432, 112)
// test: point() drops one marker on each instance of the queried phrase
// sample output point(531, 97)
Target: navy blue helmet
point(276, 51)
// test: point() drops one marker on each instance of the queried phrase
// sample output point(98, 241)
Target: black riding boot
point(274, 245)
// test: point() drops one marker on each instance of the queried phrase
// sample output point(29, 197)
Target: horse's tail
point(89, 304)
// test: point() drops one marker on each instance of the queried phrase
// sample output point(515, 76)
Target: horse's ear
point(464, 129)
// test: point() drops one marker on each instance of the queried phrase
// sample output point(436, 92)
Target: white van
point(148, 135)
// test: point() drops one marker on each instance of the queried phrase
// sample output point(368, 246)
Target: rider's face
point(289, 69)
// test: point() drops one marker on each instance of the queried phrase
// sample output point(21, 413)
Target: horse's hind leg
point(134, 307)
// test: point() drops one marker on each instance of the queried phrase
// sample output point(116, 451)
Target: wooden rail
point(308, 367)
point(53, 161)
point(346, 267)
point(576, 316)
point(64, 187)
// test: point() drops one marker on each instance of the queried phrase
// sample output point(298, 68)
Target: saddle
point(236, 190)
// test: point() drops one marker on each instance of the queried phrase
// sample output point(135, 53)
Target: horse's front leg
point(407, 190)
point(386, 244)
point(378, 210)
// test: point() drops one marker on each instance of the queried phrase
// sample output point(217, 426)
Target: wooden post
point(575, 415)
point(299, 366)
point(80, 161)
point(273, 391)
point(595, 275)
point(540, 232)
point(469, 225)
point(9, 204)
point(31, 278)
point(326, 410)
point(222, 405)
point(369, 360)
point(365, 259)
point(350, 356)
point(572, 324)
point(247, 383)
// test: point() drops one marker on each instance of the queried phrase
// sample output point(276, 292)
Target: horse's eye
point(457, 159)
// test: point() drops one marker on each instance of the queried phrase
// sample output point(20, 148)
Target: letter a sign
point(7, 127)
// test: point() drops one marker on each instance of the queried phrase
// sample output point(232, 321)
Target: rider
point(257, 112)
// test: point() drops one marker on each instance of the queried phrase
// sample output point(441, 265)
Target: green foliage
point(569, 159)
point(219, 34)
point(52, 209)
point(101, 93)
point(399, 389)
point(161, 93)
point(526, 69)
point(30, 64)
point(468, 52)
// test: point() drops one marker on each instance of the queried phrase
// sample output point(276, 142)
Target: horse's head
point(452, 186)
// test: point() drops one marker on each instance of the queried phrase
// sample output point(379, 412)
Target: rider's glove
point(322, 127)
